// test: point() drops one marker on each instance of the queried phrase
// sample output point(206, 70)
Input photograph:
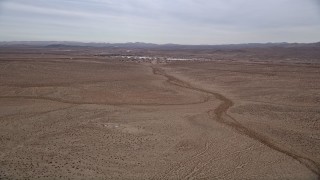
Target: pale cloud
point(161, 21)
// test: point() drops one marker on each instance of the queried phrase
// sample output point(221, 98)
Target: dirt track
point(222, 116)
point(100, 119)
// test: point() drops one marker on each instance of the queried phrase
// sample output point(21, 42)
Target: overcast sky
point(161, 21)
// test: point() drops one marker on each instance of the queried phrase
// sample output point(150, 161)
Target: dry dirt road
point(104, 119)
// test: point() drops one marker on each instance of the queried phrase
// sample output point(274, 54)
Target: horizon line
point(139, 42)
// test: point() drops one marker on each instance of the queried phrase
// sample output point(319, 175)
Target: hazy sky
point(161, 21)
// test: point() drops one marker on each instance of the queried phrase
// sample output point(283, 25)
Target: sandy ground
point(97, 118)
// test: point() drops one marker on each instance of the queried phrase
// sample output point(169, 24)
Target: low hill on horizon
point(141, 45)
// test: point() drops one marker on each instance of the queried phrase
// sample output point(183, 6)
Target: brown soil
point(97, 118)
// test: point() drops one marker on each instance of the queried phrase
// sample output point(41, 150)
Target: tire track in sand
point(65, 101)
point(220, 114)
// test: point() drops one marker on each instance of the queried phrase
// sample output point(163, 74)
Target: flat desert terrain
point(81, 114)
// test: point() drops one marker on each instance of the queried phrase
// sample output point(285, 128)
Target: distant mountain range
point(141, 45)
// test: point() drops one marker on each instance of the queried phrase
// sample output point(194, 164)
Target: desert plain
point(115, 113)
